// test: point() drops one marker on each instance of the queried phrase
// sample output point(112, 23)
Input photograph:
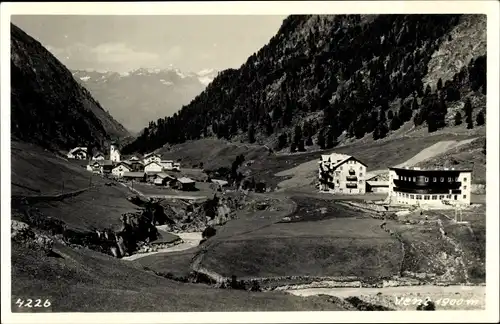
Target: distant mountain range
point(134, 98)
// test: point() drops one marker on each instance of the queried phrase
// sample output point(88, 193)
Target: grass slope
point(86, 281)
point(35, 171)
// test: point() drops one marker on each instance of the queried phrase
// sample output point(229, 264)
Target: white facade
point(153, 167)
point(341, 174)
point(114, 153)
point(429, 199)
point(168, 164)
point(119, 170)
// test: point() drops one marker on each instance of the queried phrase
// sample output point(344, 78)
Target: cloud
point(119, 53)
point(113, 56)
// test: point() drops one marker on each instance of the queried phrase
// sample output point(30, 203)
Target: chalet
point(134, 176)
point(78, 153)
point(134, 158)
point(378, 183)
point(167, 164)
point(153, 167)
point(341, 174)
point(98, 157)
point(120, 169)
point(100, 166)
point(152, 157)
point(177, 166)
point(185, 184)
point(163, 179)
point(94, 167)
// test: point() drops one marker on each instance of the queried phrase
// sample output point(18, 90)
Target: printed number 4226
point(32, 303)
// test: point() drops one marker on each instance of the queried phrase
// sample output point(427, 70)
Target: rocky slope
point(48, 107)
point(139, 96)
point(324, 79)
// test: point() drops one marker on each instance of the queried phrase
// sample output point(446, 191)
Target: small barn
point(185, 184)
point(134, 176)
point(163, 179)
point(106, 165)
point(136, 166)
point(378, 183)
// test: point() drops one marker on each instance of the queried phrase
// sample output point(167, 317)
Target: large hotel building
point(415, 186)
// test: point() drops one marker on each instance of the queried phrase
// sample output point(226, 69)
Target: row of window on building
point(429, 197)
point(337, 173)
point(434, 179)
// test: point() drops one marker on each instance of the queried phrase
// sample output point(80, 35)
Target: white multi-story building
point(341, 174)
point(431, 187)
point(114, 153)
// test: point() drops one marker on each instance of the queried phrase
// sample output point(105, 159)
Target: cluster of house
point(149, 168)
point(344, 174)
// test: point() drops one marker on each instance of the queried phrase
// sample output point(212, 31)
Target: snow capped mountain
point(136, 97)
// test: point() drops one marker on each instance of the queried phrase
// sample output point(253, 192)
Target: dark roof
point(431, 170)
point(133, 174)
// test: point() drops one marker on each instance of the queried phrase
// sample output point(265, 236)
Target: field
point(99, 207)
point(39, 172)
point(85, 281)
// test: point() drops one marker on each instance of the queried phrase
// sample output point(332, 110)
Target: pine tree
point(390, 114)
point(480, 118)
point(251, 134)
point(395, 122)
point(293, 148)
point(439, 84)
point(321, 139)
point(297, 137)
point(309, 141)
point(468, 114)
point(331, 140)
point(458, 119)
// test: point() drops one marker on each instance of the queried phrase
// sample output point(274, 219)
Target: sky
point(124, 43)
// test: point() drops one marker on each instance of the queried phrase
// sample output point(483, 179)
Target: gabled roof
point(133, 174)
point(151, 154)
point(152, 163)
point(98, 154)
point(220, 182)
point(122, 164)
point(164, 175)
point(102, 162)
point(185, 180)
point(337, 159)
point(76, 149)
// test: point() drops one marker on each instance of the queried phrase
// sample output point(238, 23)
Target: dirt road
point(406, 298)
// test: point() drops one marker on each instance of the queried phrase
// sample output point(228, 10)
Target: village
point(149, 169)
point(338, 175)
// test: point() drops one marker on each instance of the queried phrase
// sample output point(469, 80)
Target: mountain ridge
point(323, 80)
point(143, 94)
point(48, 107)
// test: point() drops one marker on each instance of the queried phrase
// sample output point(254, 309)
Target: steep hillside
point(322, 80)
point(48, 107)
point(137, 97)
